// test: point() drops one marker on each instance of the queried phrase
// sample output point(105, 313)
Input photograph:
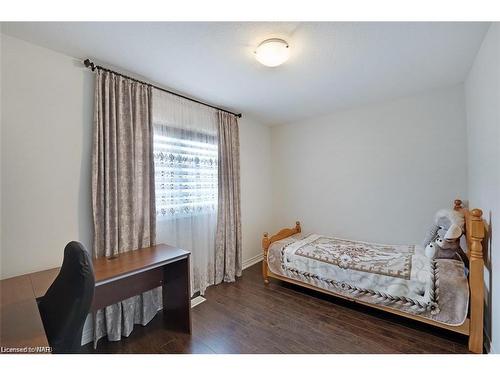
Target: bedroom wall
point(46, 123)
point(482, 96)
point(256, 199)
point(376, 173)
point(45, 160)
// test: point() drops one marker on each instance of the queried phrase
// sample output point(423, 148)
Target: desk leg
point(177, 296)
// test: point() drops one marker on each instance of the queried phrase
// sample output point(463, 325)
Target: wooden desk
point(116, 279)
point(21, 326)
point(135, 272)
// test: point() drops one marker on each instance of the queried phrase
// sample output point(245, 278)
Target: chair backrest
point(67, 302)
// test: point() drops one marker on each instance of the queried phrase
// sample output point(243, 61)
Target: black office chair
point(66, 304)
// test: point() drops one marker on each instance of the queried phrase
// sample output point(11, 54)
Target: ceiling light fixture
point(272, 52)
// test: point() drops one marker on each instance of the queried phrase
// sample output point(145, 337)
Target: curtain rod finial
point(89, 64)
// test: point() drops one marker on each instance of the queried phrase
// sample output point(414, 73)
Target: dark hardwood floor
point(248, 317)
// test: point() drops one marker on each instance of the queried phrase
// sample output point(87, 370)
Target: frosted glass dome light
point(272, 52)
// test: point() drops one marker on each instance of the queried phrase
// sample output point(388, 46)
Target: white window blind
point(185, 172)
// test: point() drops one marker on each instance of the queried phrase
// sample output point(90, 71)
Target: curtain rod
point(89, 64)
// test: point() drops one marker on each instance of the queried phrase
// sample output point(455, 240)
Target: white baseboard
point(253, 260)
point(88, 329)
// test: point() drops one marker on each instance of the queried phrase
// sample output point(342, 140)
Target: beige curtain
point(123, 190)
point(228, 234)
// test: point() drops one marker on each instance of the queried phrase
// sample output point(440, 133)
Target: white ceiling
point(333, 65)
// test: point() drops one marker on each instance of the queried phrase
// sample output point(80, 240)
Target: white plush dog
point(448, 227)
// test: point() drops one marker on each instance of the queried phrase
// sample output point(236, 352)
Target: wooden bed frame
point(474, 233)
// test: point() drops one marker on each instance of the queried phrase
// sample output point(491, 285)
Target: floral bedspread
point(388, 260)
point(392, 274)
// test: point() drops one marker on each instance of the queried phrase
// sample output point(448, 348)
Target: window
point(185, 172)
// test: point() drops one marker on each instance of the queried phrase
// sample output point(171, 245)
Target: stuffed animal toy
point(431, 235)
point(431, 250)
point(447, 229)
point(450, 222)
point(443, 249)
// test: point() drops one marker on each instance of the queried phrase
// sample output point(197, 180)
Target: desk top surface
point(132, 262)
point(21, 324)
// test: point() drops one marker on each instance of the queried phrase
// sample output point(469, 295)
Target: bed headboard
point(474, 229)
point(474, 235)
